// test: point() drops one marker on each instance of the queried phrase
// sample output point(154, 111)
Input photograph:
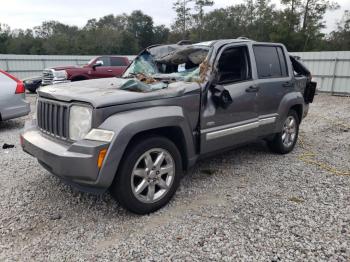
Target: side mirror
point(221, 97)
point(97, 64)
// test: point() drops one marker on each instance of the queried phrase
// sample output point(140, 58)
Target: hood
point(57, 68)
point(105, 92)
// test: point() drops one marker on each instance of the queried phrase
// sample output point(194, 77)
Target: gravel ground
point(247, 204)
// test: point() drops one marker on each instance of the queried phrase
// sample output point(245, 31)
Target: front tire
point(284, 141)
point(148, 176)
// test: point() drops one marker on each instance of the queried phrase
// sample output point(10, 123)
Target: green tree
point(160, 34)
point(199, 16)
point(313, 12)
point(141, 26)
point(340, 38)
point(183, 17)
point(4, 37)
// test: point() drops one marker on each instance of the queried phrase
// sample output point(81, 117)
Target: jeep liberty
point(137, 134)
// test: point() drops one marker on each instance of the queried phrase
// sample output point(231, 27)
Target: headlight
point(60, 75)
point(79, 122)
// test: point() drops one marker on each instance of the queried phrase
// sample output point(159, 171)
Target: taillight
point(20, 88)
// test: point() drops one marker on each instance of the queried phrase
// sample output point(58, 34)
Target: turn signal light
point(21, 140)
point(101, 157)
point(20, 89)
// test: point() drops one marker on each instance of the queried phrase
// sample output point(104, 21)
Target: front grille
point(47, 77)
point(52, 118)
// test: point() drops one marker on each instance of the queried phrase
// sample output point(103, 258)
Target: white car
point(12, 97)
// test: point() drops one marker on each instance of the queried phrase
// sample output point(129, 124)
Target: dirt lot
point(247, 204)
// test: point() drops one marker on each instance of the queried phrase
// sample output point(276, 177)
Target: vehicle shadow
point(11, 124)
point(203, 170)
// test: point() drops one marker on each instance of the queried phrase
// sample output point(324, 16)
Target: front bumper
point(75, 163)
point(54, 82)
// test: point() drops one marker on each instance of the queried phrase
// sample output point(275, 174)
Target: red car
point(98, 67)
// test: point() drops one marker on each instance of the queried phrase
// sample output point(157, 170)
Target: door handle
point(287, 84)
point(252, 89)
point(110, 70)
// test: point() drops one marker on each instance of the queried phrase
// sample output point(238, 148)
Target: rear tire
point(148, 176)
point(284, 141)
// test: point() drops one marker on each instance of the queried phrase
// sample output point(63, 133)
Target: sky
point(25, 14)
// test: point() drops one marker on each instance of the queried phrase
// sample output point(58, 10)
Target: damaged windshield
point(159, 66)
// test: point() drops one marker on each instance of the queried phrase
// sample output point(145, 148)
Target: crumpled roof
point(178, 54)
point(162, 50)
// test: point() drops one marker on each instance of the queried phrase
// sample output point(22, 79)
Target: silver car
point(12, 97)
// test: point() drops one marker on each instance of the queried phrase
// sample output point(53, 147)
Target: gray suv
point(175, 104)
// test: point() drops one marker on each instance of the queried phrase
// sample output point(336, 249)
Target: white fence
point(331, 70)
point(24, 66)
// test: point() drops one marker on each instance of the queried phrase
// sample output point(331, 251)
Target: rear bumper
point(75, 163)
point(15, 107)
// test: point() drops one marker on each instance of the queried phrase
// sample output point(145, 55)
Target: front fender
point(288, 101)
point(127, 124)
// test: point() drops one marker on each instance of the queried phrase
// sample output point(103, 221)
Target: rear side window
point(270, 61)
point(118, 61)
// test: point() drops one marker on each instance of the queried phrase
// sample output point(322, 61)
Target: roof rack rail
point(184, 42)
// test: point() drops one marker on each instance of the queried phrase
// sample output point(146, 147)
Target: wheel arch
point(298, 108)
point(78, 78)
point(173, 133)
point(292, 100)
point(129, 127)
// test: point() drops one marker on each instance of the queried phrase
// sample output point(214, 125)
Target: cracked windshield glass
point(157, 67)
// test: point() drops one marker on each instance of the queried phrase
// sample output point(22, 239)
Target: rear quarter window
point(270, 61)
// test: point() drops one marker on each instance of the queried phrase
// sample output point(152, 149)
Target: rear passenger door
point(274, 80)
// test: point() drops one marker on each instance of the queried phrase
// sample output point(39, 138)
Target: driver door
point(104, 70)
point(238, 122)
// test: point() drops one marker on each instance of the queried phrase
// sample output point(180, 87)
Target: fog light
point(100, 135)
point(101, 157)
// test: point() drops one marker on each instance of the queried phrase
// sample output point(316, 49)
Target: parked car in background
point(12, 97)
point(98, 67)
point(32, 84)
point(174, 104)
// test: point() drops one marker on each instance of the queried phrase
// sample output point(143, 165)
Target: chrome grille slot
point(53, 118)
point(47, 77)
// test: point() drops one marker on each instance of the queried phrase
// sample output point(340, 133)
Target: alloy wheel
point(153, 175)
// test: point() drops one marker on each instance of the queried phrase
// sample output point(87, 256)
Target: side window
point(105, 59)
point(270, 61)
point(233, 65)
point(118, 61)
